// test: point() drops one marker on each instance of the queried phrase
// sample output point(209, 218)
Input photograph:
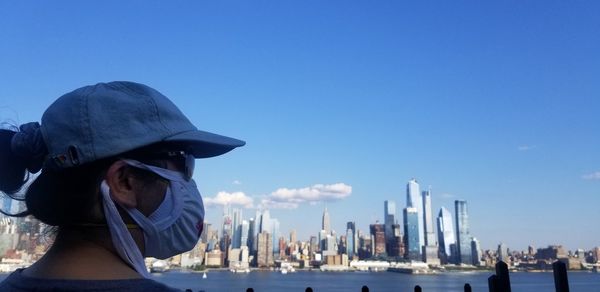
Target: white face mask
point(173, 228)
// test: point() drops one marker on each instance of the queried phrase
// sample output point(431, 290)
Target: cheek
point(151, 198)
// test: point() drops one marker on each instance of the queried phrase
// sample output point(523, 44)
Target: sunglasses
point(184, 161)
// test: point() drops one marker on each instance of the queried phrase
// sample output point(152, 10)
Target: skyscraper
point(352, 241)
point(414, 200)
point(326, 223)
point(389, 209)
point(251, 236)
point(265, 222)
point(476, 251)
point(462, 232)
point(445, 235)
point(265, 250)
point(427, 219)
point(236, 222)
point(378, 234)
point(502, 252)
point(244, 233)
point(411, 234)
point(275, 235)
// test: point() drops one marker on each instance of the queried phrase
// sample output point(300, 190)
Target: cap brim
point(204, 144)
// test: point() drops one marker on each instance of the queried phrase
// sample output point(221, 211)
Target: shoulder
point(16, 282)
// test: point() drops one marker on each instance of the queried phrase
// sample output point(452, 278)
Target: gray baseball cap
point(107, 119)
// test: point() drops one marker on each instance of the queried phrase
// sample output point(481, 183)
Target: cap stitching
point(150, 100)
point(85, 122)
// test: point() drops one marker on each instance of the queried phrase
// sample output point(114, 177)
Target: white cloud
point(592, 176)
point(225, 198)
point(526, 147)
point(292, 198)
point(270, 204)
point(237, 182)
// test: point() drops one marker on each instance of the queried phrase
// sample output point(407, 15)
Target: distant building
point(476, 252)
point(214, 258)
point(244, 231)
point(322, 240)
point(236, 223)
point(206, 230)
point(428, 219)
point(552, 252)
point(313, 247)
point(352, 241)
point(397, 245)
point(430, 255)
point(275, 235)
point(378, 234)
point(531, 250)
point(462, 232)
point(264, 222)
point(389, 208)
point(502, 252)
point(326, 223)
point(265, 250)
point(596, 255)
point(411, 234)
point(445, 236)
point(250, 242)
point(414, 200)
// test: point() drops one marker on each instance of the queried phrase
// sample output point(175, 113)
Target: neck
point(82, 253)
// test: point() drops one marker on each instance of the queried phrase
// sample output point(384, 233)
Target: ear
point(120, 181)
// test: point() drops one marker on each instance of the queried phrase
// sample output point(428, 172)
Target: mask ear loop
point(121, 238)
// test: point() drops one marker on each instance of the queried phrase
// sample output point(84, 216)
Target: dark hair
point(57, 197)
point(13, 172)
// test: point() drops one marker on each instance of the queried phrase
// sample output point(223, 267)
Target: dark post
point(561, 282)
point(493, 283)
point(502, 277)
point(418, 288)
point(467, 287)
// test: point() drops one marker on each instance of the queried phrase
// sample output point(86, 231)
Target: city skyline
point(341, 103)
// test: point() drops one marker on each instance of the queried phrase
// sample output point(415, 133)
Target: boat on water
point(204, 275)
point(240, 270)
point(159, 266)
point(286, 268)
point(411, 268)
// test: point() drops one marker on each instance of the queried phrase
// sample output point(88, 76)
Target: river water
point(265, 281)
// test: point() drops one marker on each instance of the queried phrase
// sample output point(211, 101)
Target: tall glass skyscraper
point(351, 227)
point(389, 209)
point(244, 229)
point(445, 235)
point(276, 235)
point(251, 236)
point(326, 223)
point(414, 200)
point(462, 232)
point(428, 219)
point(265, 222)
point(350, 243)
point(237, 228)
point(412, 246)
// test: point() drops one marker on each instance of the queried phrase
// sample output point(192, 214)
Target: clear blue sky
point(494, 103)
